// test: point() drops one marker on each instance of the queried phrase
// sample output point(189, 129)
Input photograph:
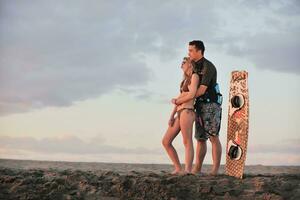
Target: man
point(208, 110)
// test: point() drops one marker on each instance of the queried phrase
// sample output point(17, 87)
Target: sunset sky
point(93, 80)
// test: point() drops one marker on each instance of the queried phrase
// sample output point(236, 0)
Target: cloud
point(289, 146)
point(68, 144)
point(66, 54)
point(146, 95)
point(286, 7)
point(270, 51)
point(74, 145)
point(268, 35)
point(55, 53)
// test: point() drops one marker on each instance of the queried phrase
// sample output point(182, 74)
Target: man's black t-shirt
point(206, 71)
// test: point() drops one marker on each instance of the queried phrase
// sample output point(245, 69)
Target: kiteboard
point(238, 124)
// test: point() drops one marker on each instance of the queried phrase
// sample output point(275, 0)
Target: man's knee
point(214, 139)
point(201, 142)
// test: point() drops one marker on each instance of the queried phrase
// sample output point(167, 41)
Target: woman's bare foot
point(176, 171)
point(213, 172)
point(196, 170)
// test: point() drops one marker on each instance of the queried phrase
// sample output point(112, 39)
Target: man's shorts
point(208, 120)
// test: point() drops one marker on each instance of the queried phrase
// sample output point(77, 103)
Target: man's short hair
point(198, 44)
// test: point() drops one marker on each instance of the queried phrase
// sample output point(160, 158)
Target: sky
point(92, 81)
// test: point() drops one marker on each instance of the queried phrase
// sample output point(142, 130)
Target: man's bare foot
point(185, 172)
point(176, 171)
point(213, 172)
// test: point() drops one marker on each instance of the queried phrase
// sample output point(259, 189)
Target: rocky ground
point(20, 181)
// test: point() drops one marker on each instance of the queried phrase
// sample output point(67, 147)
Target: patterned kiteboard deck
point(238, 124)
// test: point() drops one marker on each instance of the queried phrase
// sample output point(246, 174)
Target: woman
point(184, 119)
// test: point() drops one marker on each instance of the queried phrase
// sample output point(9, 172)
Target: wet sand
point(81, 180)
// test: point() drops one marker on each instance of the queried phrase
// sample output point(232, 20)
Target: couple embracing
point(199, 101)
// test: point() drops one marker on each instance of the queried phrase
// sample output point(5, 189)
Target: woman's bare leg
point(167, 140)
point(187, 118)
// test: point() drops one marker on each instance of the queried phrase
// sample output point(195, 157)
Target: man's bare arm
point(201, 90)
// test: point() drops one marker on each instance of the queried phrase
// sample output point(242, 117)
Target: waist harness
point(212, 94)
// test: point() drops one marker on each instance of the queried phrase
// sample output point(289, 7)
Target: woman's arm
point(192, 92)
point(173, 111)
point(172, 119)
point(182, 94)
point(179, 96)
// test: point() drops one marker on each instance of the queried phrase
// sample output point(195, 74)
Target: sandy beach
point(26, 179)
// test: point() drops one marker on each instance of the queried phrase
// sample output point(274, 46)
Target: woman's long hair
point(186, 80)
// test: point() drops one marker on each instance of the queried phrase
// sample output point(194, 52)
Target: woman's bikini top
point(184, 85)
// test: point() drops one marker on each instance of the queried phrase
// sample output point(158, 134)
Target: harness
point(212, 94)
